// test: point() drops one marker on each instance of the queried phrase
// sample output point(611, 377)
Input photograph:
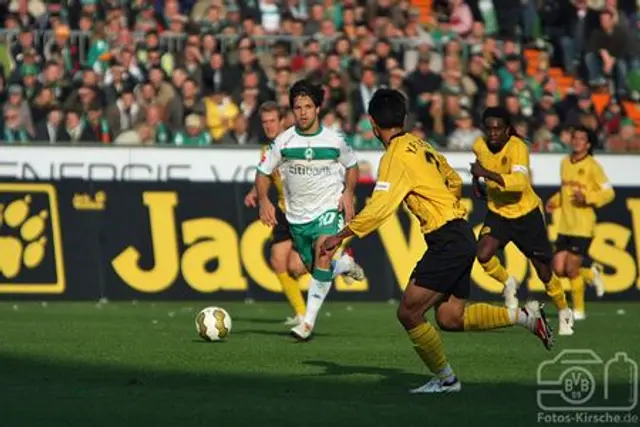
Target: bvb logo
point(30, 246)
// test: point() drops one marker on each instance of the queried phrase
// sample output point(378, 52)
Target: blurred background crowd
point(194, 72)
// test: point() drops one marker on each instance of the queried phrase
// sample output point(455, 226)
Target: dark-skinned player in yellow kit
point(514, 211)
point(413, 172)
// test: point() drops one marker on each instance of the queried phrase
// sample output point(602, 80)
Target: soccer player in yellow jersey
point(514, 211)
point(411, 171)
point(584, 187)
point(284, 260)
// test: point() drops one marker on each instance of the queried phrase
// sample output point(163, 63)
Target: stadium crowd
point(194, 72)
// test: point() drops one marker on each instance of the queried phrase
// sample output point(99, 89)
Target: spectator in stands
point(141, 134)
point(194, 134)
point(361, 96)
point(461, 18)
point(220, 112)
point(606, 54)
point(465, 133)
point(97, 124)
point(77, 129)
point(125, 112)
point(239, 134)
point(160, 130)
point(191, 101)
point(41, 104)
point(17, 101)
point(52, 129)
point(13, 130)
point(626, 141)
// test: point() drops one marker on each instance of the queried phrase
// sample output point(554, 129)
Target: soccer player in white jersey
point(320, 173)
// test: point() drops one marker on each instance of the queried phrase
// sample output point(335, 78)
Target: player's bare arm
point(251, 199)
point(347, 199)
point(267, 210)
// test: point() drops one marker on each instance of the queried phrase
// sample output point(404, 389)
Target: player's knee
point(296, 268)
point(559, 268)
point(450, 324)
point(484, 254)
point(544, 271)
point(278, 262)
point(572, 271)
point(450, 320)
point(408, 317)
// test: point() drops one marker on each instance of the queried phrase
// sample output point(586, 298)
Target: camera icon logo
point(580, 380)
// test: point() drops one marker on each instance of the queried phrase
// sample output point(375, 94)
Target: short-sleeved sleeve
point(347, 157)
point(271, 159)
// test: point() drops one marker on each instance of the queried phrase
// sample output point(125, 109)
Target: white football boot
point(355, 272)
point(538, 324)
point(439, 385)
point(510, 291)
point(598, 283)
point(579, 315)
point(566, 321)
point(302, 332)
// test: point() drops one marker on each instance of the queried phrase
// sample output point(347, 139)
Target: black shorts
point(281, 231)
point(574, 244)
point(446, 265)
point(528, 233)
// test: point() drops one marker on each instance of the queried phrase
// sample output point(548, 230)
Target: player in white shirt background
point(320, 173)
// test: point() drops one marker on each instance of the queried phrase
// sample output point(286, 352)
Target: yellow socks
point(482, 316)
point(293, 293)
point(555, 291)
point(587, 275)
point(577, 293)
point(428, 345)
point(496, 270)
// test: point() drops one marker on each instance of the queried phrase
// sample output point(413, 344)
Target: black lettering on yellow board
point(207, 239)
point(31, 257)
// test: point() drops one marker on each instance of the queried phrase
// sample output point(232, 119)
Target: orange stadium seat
point(600, 101)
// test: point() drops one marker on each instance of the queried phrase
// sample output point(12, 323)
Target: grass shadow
point(40, 392)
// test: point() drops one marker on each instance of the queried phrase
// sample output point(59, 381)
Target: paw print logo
point(22, 239)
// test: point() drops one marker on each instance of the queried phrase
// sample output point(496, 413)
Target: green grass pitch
point(127, 364)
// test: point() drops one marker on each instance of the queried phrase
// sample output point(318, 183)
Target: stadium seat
point(555, 72)
point(424, 6)
point(600, 101)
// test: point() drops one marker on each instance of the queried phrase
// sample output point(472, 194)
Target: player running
point(514, 212)
point(584, 187)
point(318, 196)
point(412, 171)
point(284, 260)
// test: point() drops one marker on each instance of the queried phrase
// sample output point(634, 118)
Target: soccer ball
point(213, 324)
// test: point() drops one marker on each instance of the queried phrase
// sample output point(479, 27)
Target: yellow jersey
point(411, 170)
point(277, 181)
point(587, 176)
point(516, 198)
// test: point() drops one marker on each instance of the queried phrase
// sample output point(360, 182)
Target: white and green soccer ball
point(213, 324)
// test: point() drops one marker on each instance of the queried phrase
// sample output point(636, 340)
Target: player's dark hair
point(591, 137)
point(306, 88)
point(269, 107)
point(388, 108)
point(497, 113)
